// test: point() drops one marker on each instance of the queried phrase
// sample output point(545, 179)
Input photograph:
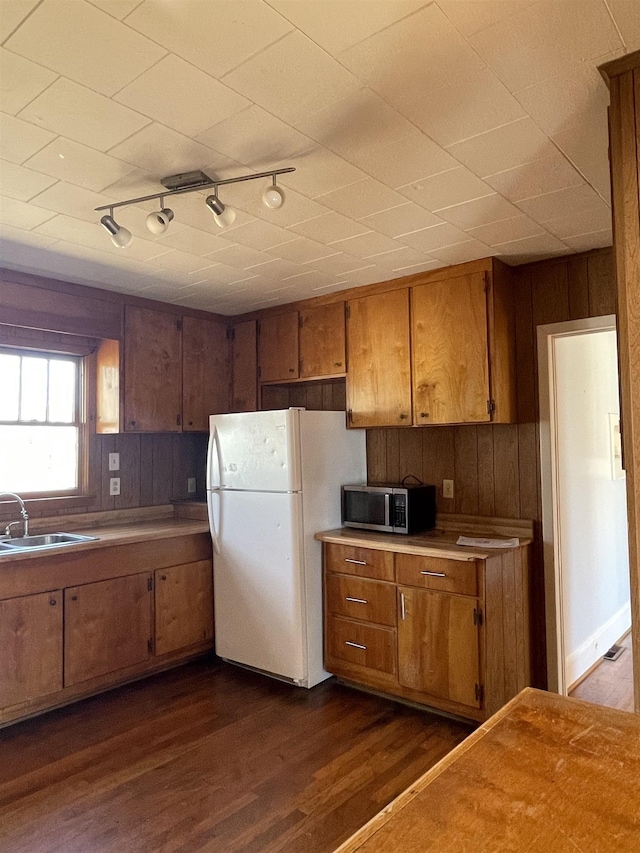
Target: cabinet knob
point(424, 414)
point(404, 416)
point(74, 598)
point(163, 577)
point(337, 364)
point(53, 602)
point(292, 370)
point(190, 423)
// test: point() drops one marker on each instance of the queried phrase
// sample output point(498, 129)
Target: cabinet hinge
point(477, 616)
point(348, 311)
point(150, 645)
point(179, 420)
point(479, 692)
point(259, 371)
point(300, 321)
point(149, 584)
point(179, 324)
point(491, 406)
point(258, 327)
point(486, 281)
point(350, 415)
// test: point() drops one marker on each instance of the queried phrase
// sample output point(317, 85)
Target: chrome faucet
point(23, 513)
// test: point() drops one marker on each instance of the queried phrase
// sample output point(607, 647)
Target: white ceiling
point(423, 134)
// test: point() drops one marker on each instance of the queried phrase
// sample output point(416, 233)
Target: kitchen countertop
point(433, 543)
point(544, 774)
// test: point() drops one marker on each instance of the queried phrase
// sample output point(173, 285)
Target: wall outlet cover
point(114, 486)
point(114, 461)
point(447, 489)
point(191, 485)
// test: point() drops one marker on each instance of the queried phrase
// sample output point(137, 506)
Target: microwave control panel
point(399, 511)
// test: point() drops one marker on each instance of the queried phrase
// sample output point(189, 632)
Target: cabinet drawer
point(361, 644)
point(364, 562)
point(357, 598)
point(438, 573)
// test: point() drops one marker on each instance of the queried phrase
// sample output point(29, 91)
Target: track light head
point(158, 221)
point(273, 197)
point(222, 215)
point(120, 237)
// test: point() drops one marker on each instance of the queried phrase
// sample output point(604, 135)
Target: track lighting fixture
point(120, 237)
point(190, 182)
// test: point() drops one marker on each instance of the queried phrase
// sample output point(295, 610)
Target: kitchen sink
point(46, 540)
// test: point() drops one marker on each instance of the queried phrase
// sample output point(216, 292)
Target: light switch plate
point(114, 486)
point(191, 485)
point(114, 461)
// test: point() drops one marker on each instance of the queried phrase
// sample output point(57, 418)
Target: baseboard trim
point(590, 652)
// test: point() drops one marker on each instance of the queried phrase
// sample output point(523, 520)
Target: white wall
point(591, 503)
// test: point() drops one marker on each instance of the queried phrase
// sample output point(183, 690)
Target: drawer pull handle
point(358, 562)
point(356, 600)
point(434, 574)
point(403, 608)
point(355, 645)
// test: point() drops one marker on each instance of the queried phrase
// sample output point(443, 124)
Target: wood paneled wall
point(322, 395)
point(496, 467)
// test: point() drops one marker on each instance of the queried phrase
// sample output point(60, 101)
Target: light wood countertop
point(433, 543)
point(546, 774)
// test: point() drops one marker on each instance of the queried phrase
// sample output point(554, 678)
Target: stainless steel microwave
point(391, 509)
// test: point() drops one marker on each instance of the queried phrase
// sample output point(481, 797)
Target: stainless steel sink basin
point(46, 540)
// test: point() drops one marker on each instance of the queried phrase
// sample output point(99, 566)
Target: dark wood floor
point(210, 758)
point(611, 682)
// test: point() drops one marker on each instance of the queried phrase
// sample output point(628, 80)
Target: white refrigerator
point(273, 481)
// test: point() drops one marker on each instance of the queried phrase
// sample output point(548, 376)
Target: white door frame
point(551, 529)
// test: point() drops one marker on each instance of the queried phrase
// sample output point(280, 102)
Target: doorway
point(584, 516)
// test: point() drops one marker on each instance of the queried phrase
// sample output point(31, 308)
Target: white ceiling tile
point(302, 250)
point(187, 100)
point(593, 240)
point(319, 171)
point(339, 264)
point(368, 275)
point(537, 178)
point(404, 160)
point(72, 200)
point(329, 227)
point(276, 268)
point(20, 80)
point(480, 211)
point(236, 255)
point(10, 233)
point(136, 183)
point(356, 122)
point(180, 261)
point(627, 18)
point(85, 44)
point(471, 16)
point(22, 215)
point(454, 112)
point(319, 80)
point(446, 189)
point(401, 258)
point(80, 114)
point(13, 13)
point(255, 138)
point(78, 164)
point(338, 24)
point(587, 147)
point(225, 274)
point(362, 199)
point(19, 139)
point(118, 8)
point(366, 245)
point(214, 40)
point(430, 239)
point(507, 229)
point(546, 40)
point(401, 220)
point(577, 199)
point(541, 244)
point(192, 240)
point(502, 148)
point(258, 234)
point(461, 253)
point(21, 183)
point(575, 224)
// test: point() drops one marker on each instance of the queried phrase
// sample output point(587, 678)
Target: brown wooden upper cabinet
point(379, 376)
point(309, 344)
point(205, 372)
point(244, 367)
point(152, 370)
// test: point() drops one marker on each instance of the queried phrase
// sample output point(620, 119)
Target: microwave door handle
point(387, 514)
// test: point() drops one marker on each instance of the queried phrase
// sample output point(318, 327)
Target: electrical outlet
point(191, 485)
point(447, 489)
point(114, 486)
point(114, 461)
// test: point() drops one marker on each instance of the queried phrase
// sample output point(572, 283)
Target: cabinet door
point(31, 647)
point(378, 380)
point(152, 371)
point(278, 347)
point(450, 351)
point(205, 372)
point(184, 606)
point(322, 341)
point(438, 645)
point(244, 367)
point(107, 626)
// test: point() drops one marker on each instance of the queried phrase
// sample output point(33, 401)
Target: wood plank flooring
point(611, 682)
point(210, 757)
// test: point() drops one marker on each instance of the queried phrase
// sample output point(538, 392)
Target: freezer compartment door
point(258, 582)
point(255, 451)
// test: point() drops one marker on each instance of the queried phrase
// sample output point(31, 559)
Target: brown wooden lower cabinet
point(30, 646)
point(449, 632)
point(101, 627)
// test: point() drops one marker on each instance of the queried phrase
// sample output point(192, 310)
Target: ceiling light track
point(191, 182)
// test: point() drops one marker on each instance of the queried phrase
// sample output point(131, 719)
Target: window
point(40, 422)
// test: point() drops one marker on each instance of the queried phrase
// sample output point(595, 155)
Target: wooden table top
point(546, 774)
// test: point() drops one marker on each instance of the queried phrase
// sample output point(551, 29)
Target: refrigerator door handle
point(214, 442)
point(212, 520)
